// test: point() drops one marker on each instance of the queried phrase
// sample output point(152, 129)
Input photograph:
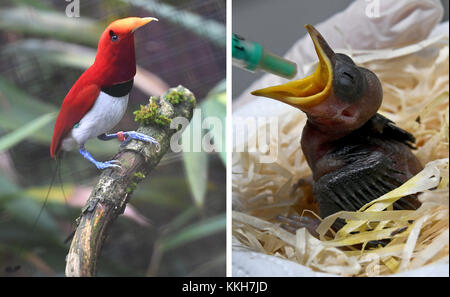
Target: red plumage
point(77, 103)
point(114, 63)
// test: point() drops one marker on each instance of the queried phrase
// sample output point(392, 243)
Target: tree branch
point(109, 197)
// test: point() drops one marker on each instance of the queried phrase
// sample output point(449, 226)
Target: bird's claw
point(108, 164)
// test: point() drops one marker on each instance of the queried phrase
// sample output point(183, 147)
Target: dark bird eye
point(113, 35)
point(348, 82)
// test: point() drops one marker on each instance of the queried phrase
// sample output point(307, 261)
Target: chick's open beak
point(141, 22)
point(312, 89)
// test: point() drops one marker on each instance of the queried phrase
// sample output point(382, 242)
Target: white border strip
point(229, 138)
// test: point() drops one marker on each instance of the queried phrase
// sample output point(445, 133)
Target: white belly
point(103, 116)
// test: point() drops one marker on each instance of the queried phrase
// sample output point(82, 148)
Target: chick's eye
point(348, 82)
point(113, 35)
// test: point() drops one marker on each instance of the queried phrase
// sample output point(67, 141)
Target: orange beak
point(141, 22)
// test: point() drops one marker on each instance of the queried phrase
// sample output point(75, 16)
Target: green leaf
point(214, 106)
point(214, 109)
point(196, 168)
point(7, 188)
point(213, 113)
point(19, 109)
point(57, 195)
point(183, 218)
point(25, 131)
point(38, 4)
point(56, 25)
point(19, 206)
point(53, 52)
point(195, 160)
point(193, 232)
point(27, 211)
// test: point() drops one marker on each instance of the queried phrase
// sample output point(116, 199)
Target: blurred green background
point(175, 222)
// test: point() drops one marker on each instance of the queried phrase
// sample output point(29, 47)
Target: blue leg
point(128, 136)
point(100, 165)
point(139, 136)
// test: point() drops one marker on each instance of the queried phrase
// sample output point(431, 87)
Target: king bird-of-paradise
point(355, 154)
point(99, 98)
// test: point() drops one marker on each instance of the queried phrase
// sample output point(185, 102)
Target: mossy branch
point(112, 192)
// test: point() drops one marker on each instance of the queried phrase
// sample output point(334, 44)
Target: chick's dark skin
point(355, 154)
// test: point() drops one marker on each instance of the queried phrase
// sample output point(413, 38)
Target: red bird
point(99, 98)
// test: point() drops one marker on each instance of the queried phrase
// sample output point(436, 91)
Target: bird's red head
point(115, 54)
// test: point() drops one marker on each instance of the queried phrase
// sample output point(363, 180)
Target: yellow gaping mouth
point(312, 89)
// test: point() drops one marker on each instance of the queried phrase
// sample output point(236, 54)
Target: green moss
point(131, 187)
point(175, 96)
point(150, 114)
point(178, 95)
point(192, 100)
point(137, 177)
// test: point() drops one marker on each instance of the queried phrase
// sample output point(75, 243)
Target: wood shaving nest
point(415, 82)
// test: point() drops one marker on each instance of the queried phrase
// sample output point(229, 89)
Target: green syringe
point(252, 56)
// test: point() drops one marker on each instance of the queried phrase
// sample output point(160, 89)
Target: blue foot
point(126, 137)
point(107, 164)
point(139, 136)
point(99, 165)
